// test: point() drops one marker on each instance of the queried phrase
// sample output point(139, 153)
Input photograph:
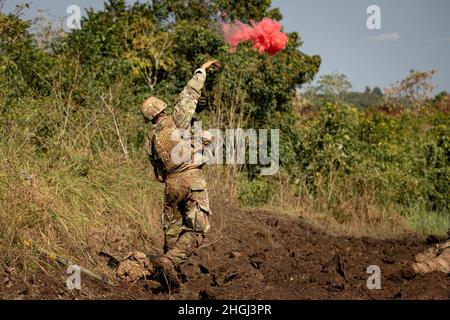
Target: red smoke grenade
point(265, 35)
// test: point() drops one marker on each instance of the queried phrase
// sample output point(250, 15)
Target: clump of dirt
point(261, 255)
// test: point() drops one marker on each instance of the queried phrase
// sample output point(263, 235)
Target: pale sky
point(415, 34)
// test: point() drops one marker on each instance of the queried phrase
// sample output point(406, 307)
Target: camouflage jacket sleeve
point(187, 100)
point(157, 168)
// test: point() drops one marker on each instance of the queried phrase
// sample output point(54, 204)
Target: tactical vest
point(163, 143)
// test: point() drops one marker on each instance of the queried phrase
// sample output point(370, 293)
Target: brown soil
point(259, 255)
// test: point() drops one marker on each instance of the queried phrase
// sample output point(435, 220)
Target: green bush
point(405, 158)
point(255, 193)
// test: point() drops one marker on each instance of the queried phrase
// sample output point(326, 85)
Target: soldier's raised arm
point(187, 100)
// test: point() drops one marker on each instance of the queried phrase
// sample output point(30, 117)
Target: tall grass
point(114, 207)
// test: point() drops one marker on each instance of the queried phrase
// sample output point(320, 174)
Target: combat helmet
point(151, 107)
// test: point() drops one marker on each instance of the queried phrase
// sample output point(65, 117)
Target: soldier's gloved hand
point(210, 63)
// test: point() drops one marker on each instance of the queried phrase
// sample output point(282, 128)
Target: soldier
point(185, 217)
point(436, 258)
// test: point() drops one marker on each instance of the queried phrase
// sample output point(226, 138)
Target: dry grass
point(115, 208)
point(350, 214)
point(354, 217)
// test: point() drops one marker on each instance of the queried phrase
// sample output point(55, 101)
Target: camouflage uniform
point(436, 258)
point(185, 218)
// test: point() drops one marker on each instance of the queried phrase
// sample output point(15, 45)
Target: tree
point(158, 44)
point(12, 27)
point(414, 90)
point(362, 99)
point(333, 85)
point(19, 57)
point(377, 91)
point(329, 87)
point(246, 11)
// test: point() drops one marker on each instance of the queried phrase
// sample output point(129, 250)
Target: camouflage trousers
point(185, 218)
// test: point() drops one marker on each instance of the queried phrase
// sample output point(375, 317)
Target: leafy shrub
point(255, 193)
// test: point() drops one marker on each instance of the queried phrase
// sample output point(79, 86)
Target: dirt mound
point(259, 255)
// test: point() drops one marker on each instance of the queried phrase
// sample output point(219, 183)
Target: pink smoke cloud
point(266, 35)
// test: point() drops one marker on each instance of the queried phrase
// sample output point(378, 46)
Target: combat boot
point(166, 272)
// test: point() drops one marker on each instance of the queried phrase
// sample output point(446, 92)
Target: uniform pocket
point(198, 186)
point(197, 183)
point(198, 211)
point(197, 220)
